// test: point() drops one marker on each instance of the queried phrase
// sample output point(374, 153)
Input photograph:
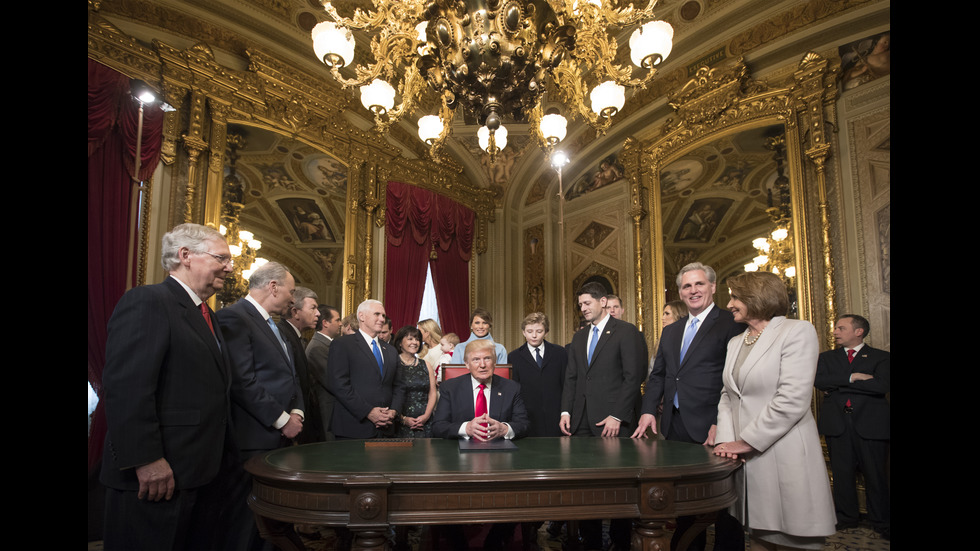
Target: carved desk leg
point(649, 535)
point(370, 540)
point(281, 534)
point(369, 512)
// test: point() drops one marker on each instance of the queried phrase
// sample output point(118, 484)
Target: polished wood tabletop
point(368, 485)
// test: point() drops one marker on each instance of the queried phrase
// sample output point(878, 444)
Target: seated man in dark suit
point(484, 407)
point(503, 412)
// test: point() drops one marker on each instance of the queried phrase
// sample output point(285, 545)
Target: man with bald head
point(267, 398)
point(362, 378)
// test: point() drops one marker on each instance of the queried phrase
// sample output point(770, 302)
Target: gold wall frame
point(723, 101)
point(276, 96)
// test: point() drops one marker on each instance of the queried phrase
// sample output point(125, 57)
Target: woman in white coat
point(764, 419)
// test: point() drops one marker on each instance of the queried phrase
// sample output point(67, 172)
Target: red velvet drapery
point(113, 118)
point(416, 221)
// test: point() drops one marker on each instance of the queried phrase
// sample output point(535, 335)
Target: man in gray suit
point(327, 329)
point(303, 315)
point(686, 375)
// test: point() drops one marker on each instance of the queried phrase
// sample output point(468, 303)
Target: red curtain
point(113, 118)
point(417, 220)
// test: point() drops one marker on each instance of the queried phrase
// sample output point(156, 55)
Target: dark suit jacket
point(316, 362)
point(871, 412)
point(456, 406)
point(698, 379)
point(165, 389)
point(544, 383)
point(359, 386)
point(312, 431)
point(610, 385)
point(264, 383)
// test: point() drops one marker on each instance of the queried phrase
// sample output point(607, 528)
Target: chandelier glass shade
point(775, 254)
point(495, 59)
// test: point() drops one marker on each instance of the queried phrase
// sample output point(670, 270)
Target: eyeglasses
point(224, 259)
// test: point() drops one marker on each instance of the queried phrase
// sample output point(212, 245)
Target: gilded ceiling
point(295, 193)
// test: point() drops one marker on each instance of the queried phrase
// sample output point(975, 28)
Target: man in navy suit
point(686, 375)
point(267, 399)
point(504, 414)
point(855, 418)
point(606, 362)
point(362, 378)
point(166, 380)
point(303, 315)
point(484, 407)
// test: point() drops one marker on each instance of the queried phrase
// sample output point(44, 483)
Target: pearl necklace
point(746, 338)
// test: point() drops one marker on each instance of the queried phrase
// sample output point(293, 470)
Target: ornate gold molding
point(723, 100)
point(273, 95)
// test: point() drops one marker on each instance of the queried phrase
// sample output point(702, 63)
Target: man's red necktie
point(207, 316)
point(481, 404)
point(850, 358)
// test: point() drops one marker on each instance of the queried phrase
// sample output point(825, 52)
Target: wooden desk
point(345, 483)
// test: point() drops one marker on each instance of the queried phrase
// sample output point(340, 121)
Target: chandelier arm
point(446, 114)
point(569, 84)
point(388, 51)
point(597, 53)
point(577, 12)
point(411, 91)
point(403, 12)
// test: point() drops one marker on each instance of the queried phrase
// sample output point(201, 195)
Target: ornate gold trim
point(721, 101)
point(273, 95)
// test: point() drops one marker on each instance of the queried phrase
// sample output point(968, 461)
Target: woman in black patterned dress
point(419, 383)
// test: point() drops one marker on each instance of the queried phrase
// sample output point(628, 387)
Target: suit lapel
point(366, 349)
point(604, 336)
point(264, 328)
point(706, 325)
point(196, 320)
point(388, 359)
point(759, 349)
point(529, 356)
point(496, 398)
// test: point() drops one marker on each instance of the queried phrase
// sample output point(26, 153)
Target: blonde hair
point(435, 333)
point(479, 344)
point(451, 338)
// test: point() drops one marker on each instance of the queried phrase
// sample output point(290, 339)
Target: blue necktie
point(595, 339)
point(275, 330)
point(537, 356)
point(377, 356)
point(691, 330)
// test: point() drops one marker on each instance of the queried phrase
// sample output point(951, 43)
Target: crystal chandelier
point(241, 243)
point(495, 59)
point(776, 251)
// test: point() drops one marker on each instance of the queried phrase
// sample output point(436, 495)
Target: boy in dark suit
point(539, 366)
